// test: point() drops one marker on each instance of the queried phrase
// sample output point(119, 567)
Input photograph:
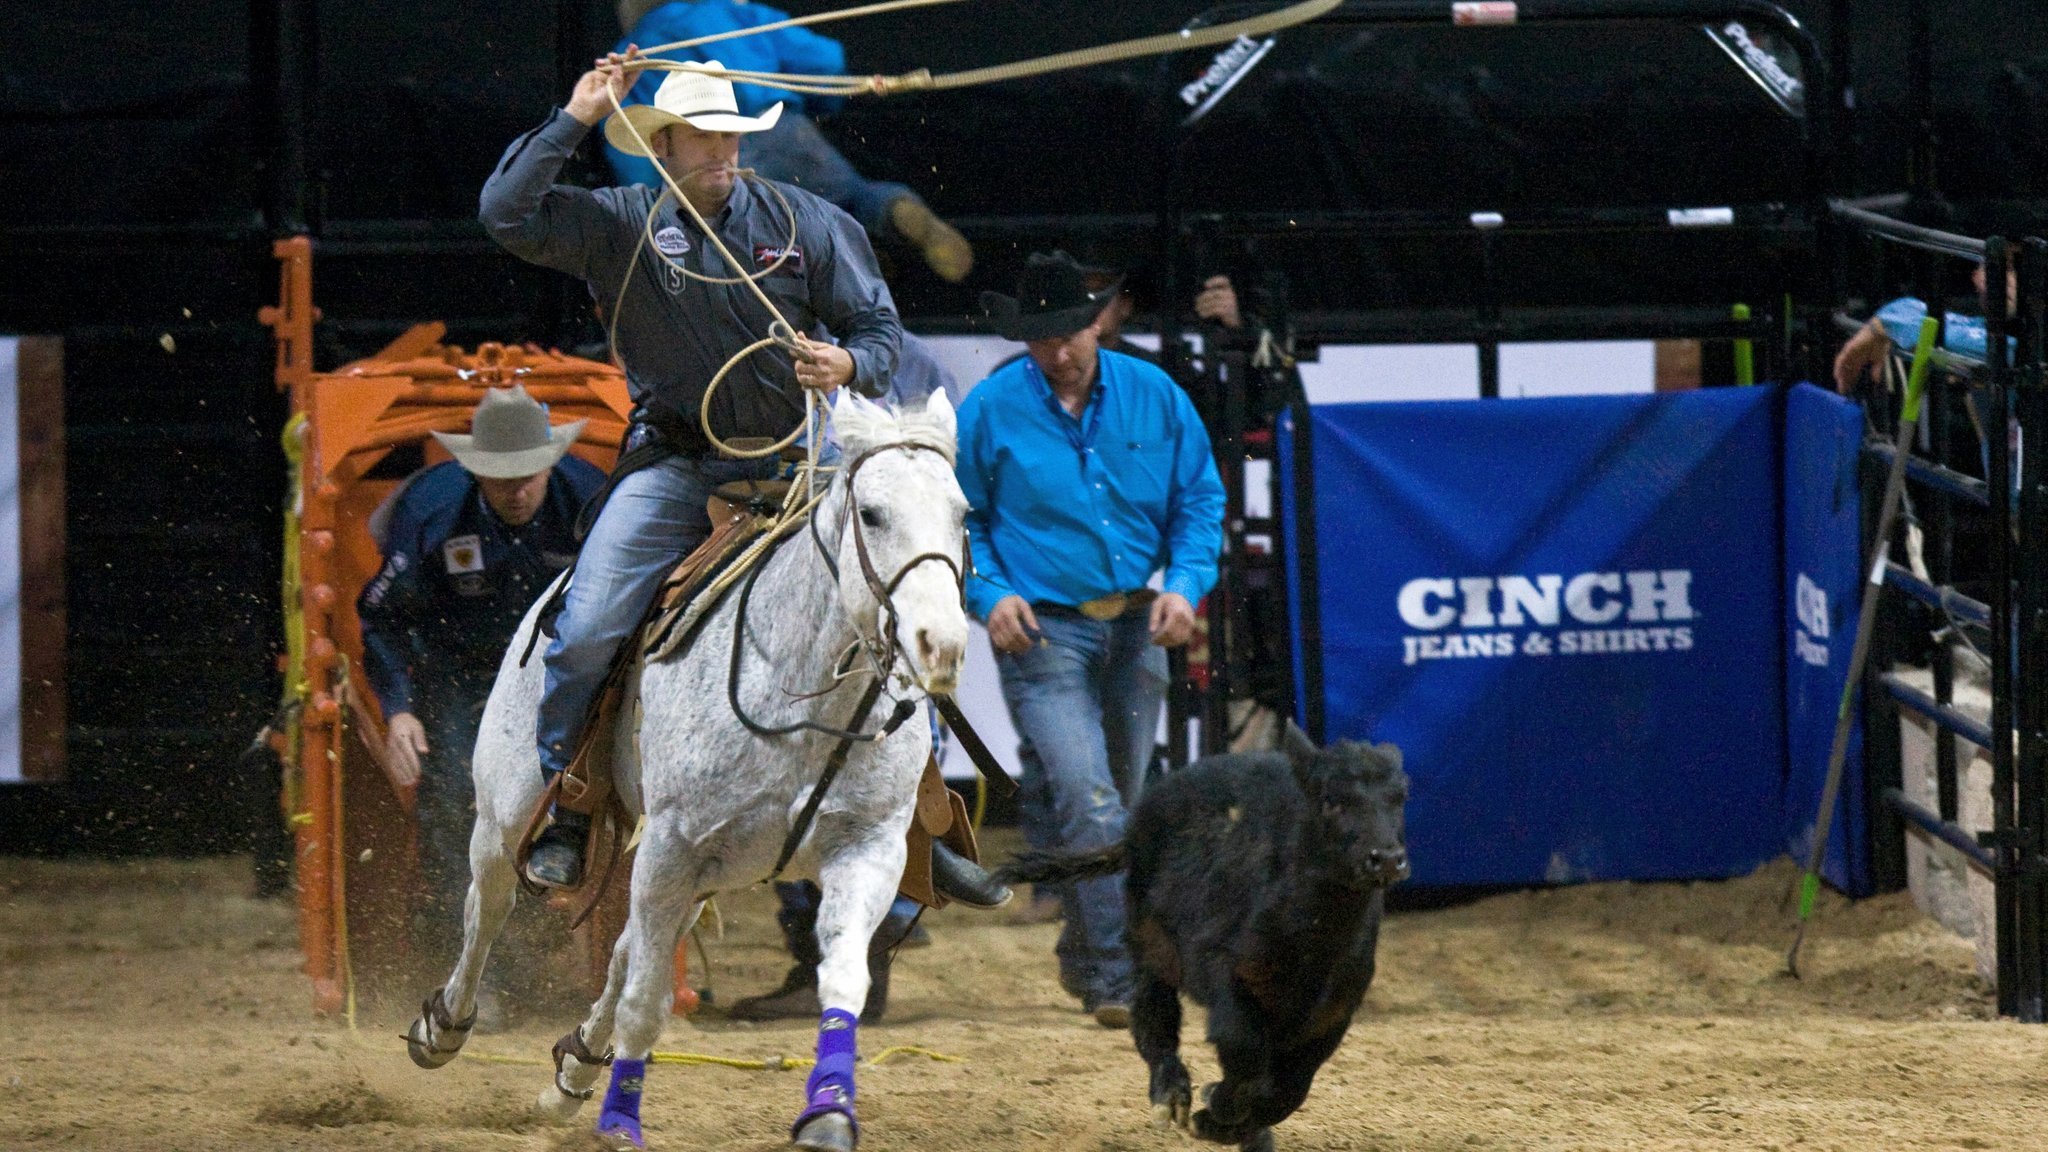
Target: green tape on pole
point(1916, 380)
point(1745, 351)
point(1809, 890)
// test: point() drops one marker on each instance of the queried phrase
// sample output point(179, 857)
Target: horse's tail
point(1058, 868)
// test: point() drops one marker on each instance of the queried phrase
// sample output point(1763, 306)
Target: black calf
point(1256, 885)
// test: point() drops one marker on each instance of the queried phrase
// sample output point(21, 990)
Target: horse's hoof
point(421, 1048)
point(826, 1132)
point(556, 1106)
point(1260, 1141)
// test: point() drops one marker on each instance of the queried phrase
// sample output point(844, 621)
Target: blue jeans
point(795, 152)
point(1086, 702)
point(653, 519)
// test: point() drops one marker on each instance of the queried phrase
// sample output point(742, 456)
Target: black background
point(138, 150)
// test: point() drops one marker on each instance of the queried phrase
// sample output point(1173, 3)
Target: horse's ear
point(938, 412)
point(859, 424)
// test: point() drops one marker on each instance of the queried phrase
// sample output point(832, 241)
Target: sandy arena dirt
point(155, 1006)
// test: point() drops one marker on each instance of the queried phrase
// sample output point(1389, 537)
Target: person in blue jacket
point(793, 150)
point(469, 545)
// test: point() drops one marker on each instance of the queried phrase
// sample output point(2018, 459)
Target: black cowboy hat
point(1052, 299)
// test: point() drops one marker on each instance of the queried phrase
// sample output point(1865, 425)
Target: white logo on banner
point(1486, 610)
point(1809, 641)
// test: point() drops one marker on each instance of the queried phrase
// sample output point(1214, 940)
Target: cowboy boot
point(797, 999)
point(557, 857)
point(944, 248)
point(958, 878)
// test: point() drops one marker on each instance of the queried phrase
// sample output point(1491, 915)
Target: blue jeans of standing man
point(1086, 701)
point(653, 519)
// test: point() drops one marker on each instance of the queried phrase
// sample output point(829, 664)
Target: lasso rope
point(922, 79)
point(780, 332)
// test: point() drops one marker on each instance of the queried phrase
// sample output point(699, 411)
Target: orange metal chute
point(356, 867)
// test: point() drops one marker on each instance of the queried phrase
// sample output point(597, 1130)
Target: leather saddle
point(741, 512)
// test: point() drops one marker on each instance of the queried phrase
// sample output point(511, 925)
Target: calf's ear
point(1299, 748)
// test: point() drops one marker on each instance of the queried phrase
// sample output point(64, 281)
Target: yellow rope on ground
point(743, 1064)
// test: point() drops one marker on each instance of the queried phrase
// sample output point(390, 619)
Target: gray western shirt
point(674, 333)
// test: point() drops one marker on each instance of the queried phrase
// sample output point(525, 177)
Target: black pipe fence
point(1983, 525)
point(1240, 385)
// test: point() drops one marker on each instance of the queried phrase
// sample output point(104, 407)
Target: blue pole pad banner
point(1823, 594)
point(1567, 612)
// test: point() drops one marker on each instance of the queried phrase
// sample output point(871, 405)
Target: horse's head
point(903, 548)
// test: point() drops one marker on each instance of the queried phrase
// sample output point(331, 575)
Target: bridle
point(883, 651)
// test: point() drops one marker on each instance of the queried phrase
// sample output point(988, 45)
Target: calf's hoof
point(1170, 1107)
point(826, 1132)
point(1204, 1124)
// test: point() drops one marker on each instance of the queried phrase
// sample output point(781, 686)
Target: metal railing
point(1996, 394)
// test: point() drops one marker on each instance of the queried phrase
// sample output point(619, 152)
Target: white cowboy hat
point(509, 437)
point(703, 100)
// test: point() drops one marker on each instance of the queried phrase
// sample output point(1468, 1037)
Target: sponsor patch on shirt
point(670, 241)
point(463, 554)
point(766, 254)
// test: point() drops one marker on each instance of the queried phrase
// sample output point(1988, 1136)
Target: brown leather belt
point(1106, 608)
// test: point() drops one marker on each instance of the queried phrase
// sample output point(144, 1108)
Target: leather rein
point(884, 650)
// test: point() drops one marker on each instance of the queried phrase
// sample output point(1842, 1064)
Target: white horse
point(874, 580)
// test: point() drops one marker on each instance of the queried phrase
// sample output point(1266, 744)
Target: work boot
point(944, 248)
point(797, 999)
point(557, 857)
point(958, 878)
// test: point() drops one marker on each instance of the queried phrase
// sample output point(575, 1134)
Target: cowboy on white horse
point(673, 331)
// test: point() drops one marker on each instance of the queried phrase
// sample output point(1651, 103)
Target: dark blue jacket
point(457, 580)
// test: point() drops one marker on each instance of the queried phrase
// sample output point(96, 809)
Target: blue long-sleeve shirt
point(1066, 510)
point(797, 50)
point(1959, 333)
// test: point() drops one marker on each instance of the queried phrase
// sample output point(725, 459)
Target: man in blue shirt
point(791, 149)
point(1087, 472)
point(468, 547)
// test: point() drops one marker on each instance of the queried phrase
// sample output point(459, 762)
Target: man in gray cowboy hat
point(468, 545)
point(1087, 473)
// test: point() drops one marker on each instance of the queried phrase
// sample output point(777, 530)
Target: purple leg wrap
point(621, 1115)
point(830, 1088)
